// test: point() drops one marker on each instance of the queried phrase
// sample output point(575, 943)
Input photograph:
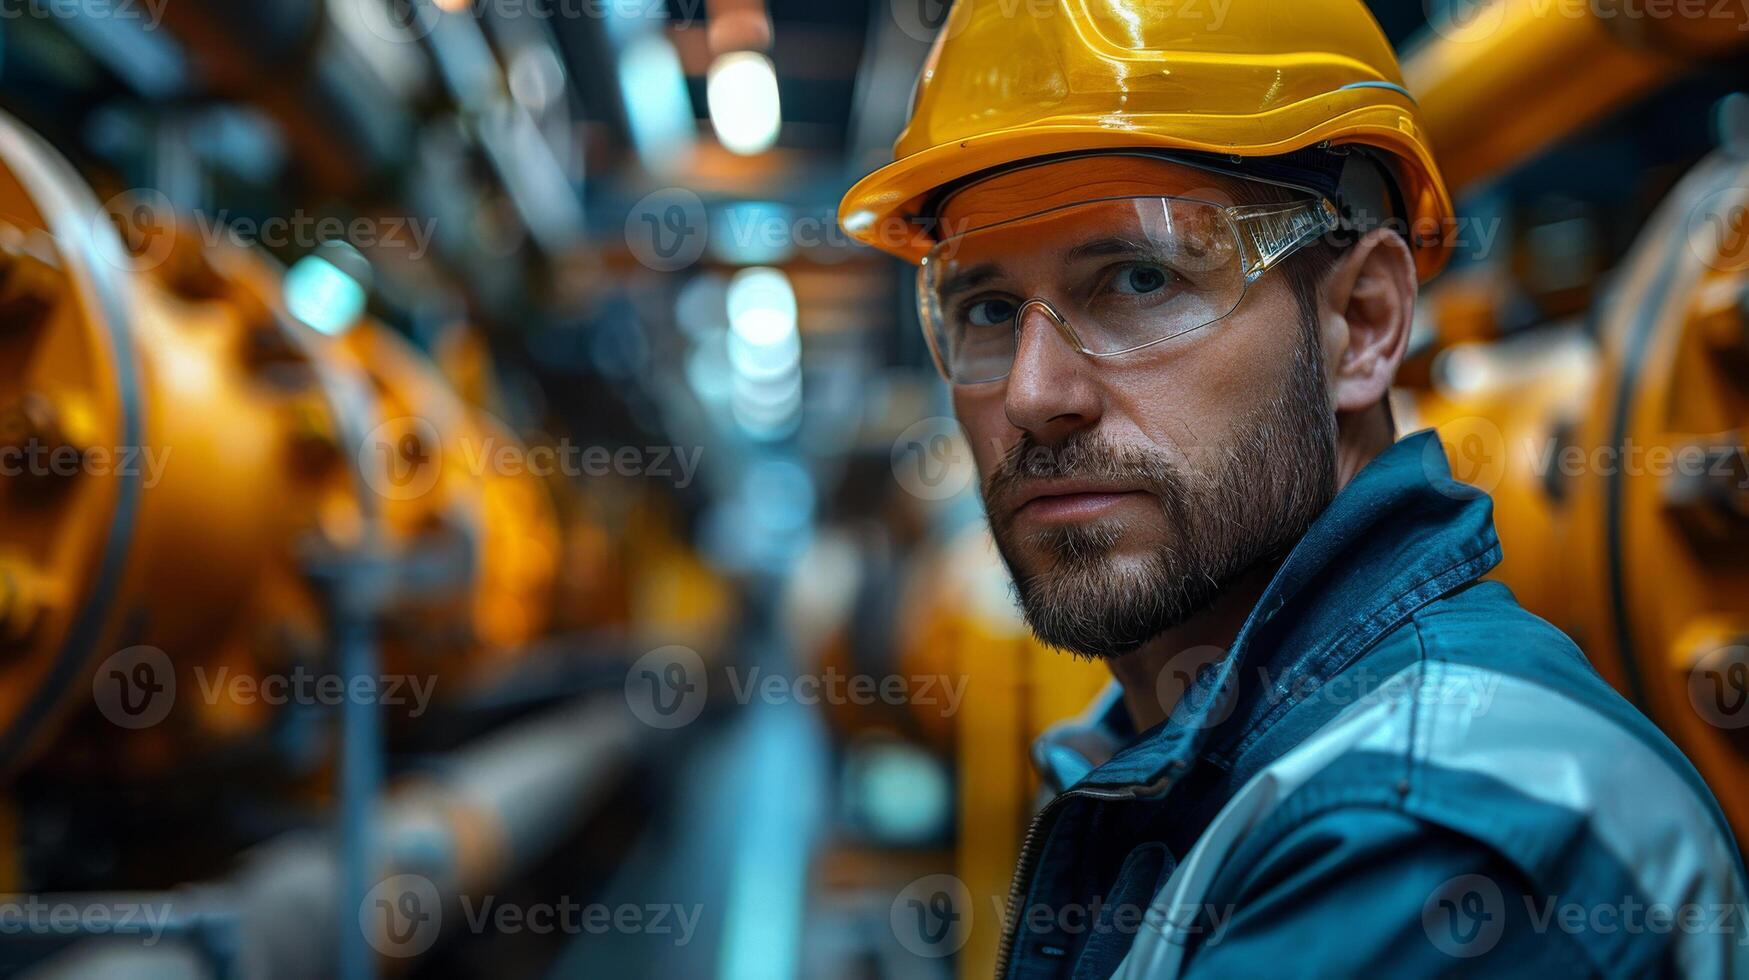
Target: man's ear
point(1369, 303)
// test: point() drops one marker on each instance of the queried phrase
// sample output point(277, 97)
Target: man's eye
point(1140, 278)
point(989, 312)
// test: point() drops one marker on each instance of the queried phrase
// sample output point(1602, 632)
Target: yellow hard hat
point(1013, 80)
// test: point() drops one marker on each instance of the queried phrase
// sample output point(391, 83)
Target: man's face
point(1126, 492)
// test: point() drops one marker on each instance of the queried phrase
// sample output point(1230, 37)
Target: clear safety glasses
point(1112, 275)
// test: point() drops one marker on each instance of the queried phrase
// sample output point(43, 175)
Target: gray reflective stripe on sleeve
point(1553, 749)
point(1536, 741)
point(1182, 897)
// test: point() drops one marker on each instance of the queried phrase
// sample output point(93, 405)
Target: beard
point(1247, 506)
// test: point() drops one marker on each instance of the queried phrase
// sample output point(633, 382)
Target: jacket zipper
point(1028, 854)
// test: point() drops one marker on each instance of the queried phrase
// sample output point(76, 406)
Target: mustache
point(1080, 456)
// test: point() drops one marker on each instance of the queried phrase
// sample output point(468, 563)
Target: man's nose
point(1052, 387)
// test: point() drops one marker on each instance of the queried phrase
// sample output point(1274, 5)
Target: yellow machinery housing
point(1620, 472)
point(1616, 456)
point(182, 456)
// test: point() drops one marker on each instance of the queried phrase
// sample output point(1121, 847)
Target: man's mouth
point(1074, 502)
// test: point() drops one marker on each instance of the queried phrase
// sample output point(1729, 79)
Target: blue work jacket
point(1395, 771)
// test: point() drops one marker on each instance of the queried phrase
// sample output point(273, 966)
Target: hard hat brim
point(882, 209)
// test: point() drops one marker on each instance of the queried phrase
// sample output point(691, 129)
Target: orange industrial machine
point(452, 477)
point(1555, 66)
point(1615, 449)
point(1620, 469)
point(182, 460)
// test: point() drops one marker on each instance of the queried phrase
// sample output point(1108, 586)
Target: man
point(1168, 268)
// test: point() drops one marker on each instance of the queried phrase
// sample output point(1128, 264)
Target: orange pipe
point(1517, 77)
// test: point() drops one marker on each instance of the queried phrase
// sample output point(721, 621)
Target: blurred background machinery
point(1598, 392)
point(508, 354)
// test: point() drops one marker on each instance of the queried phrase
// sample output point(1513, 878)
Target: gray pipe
point(273, 919)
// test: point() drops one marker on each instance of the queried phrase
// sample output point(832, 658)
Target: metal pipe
point(361, 773)
point(1517, 76)
point(494, 809)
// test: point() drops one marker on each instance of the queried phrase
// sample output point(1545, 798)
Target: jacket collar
point(1402, 533)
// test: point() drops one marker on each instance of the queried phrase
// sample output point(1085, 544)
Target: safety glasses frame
point(1266, 235)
